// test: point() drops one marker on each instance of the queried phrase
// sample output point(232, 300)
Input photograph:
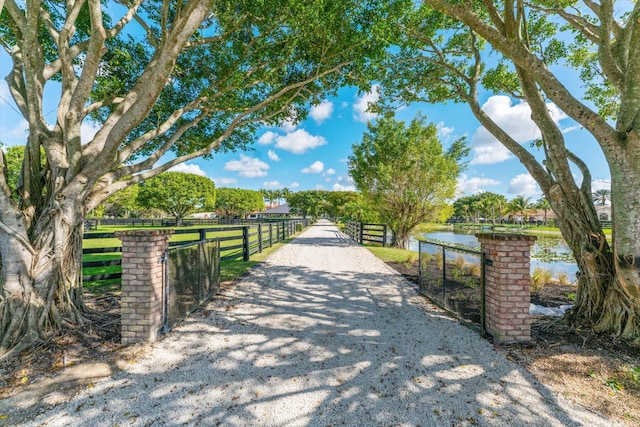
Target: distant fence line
point(236, 242)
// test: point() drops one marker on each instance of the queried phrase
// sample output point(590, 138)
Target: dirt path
point(322, 333)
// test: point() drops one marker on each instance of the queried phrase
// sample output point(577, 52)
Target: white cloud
point(474, 185)
point(316, 167)
point(319, 113)
point(327, 180)
point(490, 153)
point(330, 171)
point(344, 183)
point(515, 120)
point(290, 124)
point(444, 131)
point(601, 184)
point(524, 185)
point(273, 156)
point(319, 187)
point(299, 141)
point(361, 106)
point(88, 130)
point(267, 138)
point(272, 184)
point(224, 181)
point(249, 167)
point(340, 187)
point(294, 185)
point(187, 168)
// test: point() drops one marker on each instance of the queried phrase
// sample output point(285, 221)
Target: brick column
point(507, 285)
point(142, 276)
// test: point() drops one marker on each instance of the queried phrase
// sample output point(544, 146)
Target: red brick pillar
point(142, 278)
point(507, 285)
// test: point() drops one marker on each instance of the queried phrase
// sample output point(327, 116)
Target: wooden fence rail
point(363, 232)
point(236, 242)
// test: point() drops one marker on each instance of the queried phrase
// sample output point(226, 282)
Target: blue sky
point(313, 154)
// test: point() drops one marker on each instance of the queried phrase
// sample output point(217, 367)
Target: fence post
point(245, 243)
point(384, 236)
point(507, 285)
point(203, 234)
point(260, 237)
point(361, 232)
point(270, 234)
point(143, 272)
point(284, 231)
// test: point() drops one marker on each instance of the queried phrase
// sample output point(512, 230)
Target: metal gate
point(192, 277)
point(453, 278)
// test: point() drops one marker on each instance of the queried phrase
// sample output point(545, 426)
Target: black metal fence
point(453, 278)
point(192, 277)
point(236, 242)
point(363, 232)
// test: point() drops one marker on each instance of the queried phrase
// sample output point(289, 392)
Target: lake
point(548, 252)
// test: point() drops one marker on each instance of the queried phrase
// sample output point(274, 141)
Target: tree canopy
point(178, 193)
point(405, 173)
point(231, 202)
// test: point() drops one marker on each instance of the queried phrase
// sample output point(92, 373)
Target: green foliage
point(178, 193)
point(310, 203)
point(231, 202)
point(404, 172)
point(124, 203)
point(483, 205)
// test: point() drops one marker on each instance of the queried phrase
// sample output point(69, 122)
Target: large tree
point(311, 203)
point(453, 51)
point(178, 194)
point(405, 173)
point(124, 203)
point(231, 202)
point(165, 82)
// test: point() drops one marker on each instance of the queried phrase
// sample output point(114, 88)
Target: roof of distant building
point(278, 210)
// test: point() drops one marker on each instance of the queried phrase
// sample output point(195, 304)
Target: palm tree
point(602, 196)
point(543, 204)
point(285, 193)
point(520, 205)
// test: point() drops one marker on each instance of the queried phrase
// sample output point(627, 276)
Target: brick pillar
point(507, 285)
point(142, 276)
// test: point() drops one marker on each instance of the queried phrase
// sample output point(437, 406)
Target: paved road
point(321, 334)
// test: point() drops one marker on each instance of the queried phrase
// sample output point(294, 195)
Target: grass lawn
point(393, 254)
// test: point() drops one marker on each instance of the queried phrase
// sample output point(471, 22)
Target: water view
point(549, 252)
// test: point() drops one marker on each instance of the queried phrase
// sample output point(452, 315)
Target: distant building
point(604, 213)
point(280, 211)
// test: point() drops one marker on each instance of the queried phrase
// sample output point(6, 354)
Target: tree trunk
point(621, 300)
point(41, 285)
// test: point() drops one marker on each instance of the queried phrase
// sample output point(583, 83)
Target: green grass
point(232, 270)
point(393, 254)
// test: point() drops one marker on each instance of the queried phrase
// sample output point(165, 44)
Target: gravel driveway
point(321, 334)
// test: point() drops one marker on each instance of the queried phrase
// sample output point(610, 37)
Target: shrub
point(475, 270)
point(563, 279)
point(540, 278)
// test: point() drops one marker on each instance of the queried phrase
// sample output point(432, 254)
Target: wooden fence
point(363, 232)
point(236, 242)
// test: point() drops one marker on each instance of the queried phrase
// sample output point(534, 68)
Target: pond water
point(548, 252)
